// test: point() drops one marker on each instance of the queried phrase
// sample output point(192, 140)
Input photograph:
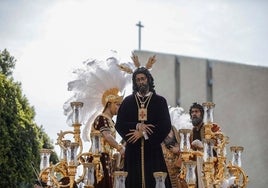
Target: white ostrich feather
point(179, 118)
point(93, 78)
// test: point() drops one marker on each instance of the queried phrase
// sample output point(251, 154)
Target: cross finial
point(140, 26)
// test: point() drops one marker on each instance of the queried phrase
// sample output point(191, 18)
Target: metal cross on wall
point(140, 26)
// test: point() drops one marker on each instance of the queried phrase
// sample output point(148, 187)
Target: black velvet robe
point(127, 118)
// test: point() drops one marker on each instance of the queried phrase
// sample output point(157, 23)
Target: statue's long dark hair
point(146, 72)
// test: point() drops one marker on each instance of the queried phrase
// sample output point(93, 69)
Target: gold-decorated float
point(210, 167)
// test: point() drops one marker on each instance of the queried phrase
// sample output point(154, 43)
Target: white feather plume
point(179, 118)
point(93, 78)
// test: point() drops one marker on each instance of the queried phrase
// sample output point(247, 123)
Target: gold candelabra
point(209, 166)
point(72, 158)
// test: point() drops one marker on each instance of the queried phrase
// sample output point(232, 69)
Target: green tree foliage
point(21, 139)
point(7, 63)
point(46, 143)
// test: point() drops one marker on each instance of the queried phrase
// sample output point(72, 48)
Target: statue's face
point(142, 83)
point(196, 116)
point(114, 107)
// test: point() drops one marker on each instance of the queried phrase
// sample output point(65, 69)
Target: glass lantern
point(208, 150)
point(236, 155)
point(160, 178)
point(76, 106)
point(208, 112)
point(96, 142)
point(190, 172)
point(64, 150)
point(45, 156)
point(72, 153)
point(119, 179)
point(89, 175)
point(185, 139)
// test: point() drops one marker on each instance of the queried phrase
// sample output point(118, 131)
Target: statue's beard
point(196, 121)
point(143, 89)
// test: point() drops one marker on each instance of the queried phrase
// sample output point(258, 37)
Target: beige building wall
point(241, 97)
point(193, 81)
point(240, 93)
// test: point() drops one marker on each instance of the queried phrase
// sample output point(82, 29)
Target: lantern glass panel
point(72, 153)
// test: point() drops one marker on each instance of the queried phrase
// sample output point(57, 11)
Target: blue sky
point(51, 38)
